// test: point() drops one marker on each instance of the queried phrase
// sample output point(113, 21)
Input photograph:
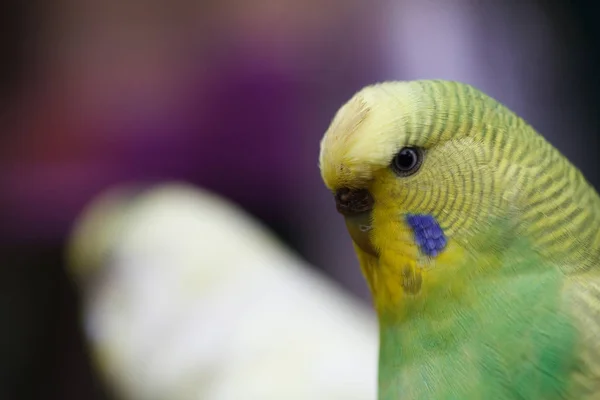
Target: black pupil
point(406, 159)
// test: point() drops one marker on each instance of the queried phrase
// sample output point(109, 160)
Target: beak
point(356, 207)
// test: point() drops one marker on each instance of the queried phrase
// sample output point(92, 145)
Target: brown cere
point(349, 202)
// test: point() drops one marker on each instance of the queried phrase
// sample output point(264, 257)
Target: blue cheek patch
point(429, 236)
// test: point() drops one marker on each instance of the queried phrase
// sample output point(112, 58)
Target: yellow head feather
point(349, 156)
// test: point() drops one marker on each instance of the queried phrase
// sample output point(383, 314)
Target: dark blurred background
point(233, 95)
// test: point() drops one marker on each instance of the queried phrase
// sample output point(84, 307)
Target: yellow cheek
point(396, 278)
point(403, 276)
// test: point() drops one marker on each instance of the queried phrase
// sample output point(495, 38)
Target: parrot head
point(422, 170)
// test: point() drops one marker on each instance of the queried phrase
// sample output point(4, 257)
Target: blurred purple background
point(233, 96)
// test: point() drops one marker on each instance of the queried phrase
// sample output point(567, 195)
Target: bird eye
point(407, 161)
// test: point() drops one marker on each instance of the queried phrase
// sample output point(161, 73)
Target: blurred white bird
point(187, 297)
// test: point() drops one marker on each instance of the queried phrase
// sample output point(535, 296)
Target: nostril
point(349, 201)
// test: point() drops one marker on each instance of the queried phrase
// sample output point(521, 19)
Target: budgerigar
point(187, 297)
point(479, 240)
